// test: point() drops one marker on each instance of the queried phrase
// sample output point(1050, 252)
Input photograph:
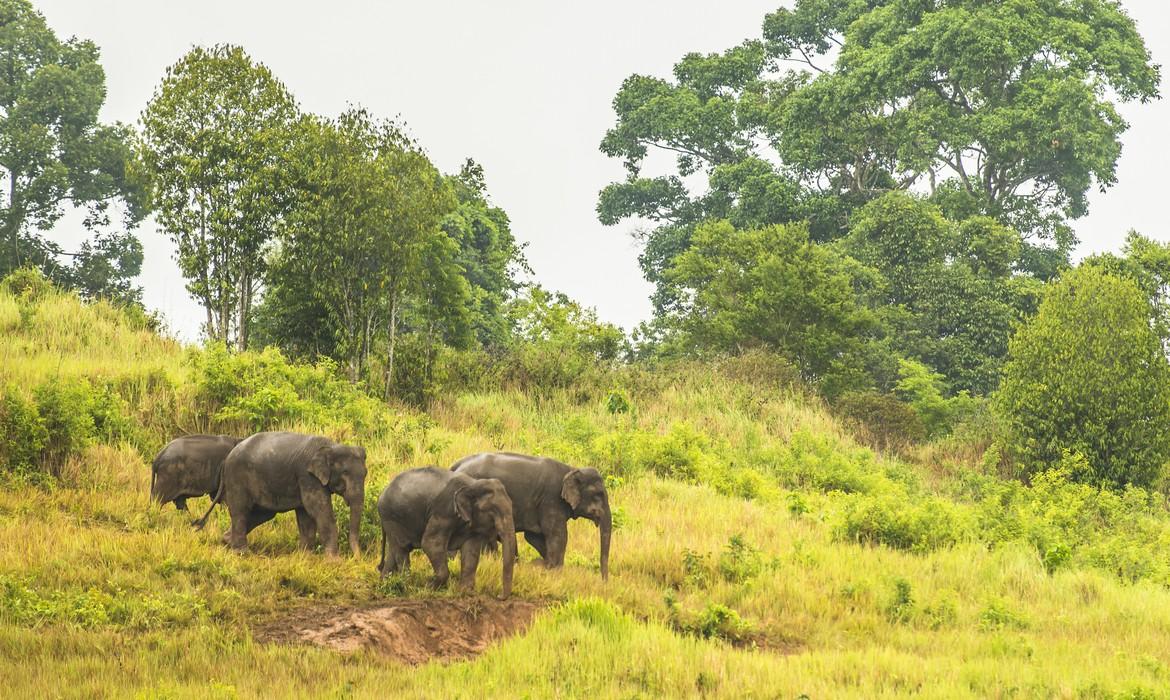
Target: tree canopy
point(54, 152)
point(214, 144)
point(1088, 376)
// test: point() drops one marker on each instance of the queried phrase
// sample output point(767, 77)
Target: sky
point(522, 86)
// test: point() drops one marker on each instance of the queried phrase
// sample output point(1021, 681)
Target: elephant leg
point(237, 535)
point(556, 539)
point(259, 516)
point(307, 528)
point(181, 503)
point(468, 563)
point(537, 541)
point(434, 545)
point(397, 560)
point(316, 503)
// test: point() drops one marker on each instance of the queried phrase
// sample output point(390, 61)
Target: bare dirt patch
point(412, 631)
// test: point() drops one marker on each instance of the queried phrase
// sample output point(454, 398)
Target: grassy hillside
point(759, 551)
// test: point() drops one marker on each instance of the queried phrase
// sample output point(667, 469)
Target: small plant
point(739, 561)
point(696, 569)
point(999, 615)
point(901, 606)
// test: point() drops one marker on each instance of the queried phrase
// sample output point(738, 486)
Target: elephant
point(189, 467)
point(275, 472)
point(545, 494)
point(440, 511)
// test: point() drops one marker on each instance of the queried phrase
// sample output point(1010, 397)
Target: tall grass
point(759, 552)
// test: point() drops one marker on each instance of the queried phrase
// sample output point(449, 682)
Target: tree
point(769, 287)
point(53, 149)
point(951, 297)
point(103, 268)
point(215, 135)
point(1087, 376)
point(489, 254)
point(1002, 109)
point(368, 206)
point(1146, 263)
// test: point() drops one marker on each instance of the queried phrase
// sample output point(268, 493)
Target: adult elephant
point(189, 467)
point(276, 472)
point(440, 511)
point(545, 495)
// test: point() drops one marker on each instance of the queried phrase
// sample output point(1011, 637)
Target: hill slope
point(759, 550)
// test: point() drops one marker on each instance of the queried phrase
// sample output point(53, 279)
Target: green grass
point(734, 499)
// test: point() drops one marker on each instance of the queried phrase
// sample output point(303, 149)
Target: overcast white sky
point(522, 86)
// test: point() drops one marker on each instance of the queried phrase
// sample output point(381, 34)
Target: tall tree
point(1005, 109)
point(1087, 375)
point(489, 254)
point(53, 149)
point(215, 136)
point(368, 204)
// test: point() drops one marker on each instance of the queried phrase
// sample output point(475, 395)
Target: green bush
point(65, 408)
point(895, 520)
point(1088, 375)
point(27, 283)
point(881, 419)
point(264, 391)
point(23, 435)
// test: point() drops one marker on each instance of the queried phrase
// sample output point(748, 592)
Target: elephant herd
point(481, 500)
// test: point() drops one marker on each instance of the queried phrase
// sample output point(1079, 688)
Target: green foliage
point(949, 298)
point(53, 148)
point(26, 283)
point(769, 287)
point(213, 148)
point(918, 525)
point(901, 605)
point(740, 561)
point(557, 343)
point(714, 621)
point(1088, 375)
point(264, 391)
point(23, 434)
point(881, 419)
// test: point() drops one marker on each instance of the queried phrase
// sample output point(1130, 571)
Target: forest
point(884, 434)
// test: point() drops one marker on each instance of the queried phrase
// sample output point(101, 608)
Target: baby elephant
point(189, 467)
point(440, 511)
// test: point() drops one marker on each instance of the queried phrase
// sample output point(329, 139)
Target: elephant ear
point(321, 467)
point(571, 489)
point(463, 504)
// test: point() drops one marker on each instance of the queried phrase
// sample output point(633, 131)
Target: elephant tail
point(198, 524)
point(153, 474)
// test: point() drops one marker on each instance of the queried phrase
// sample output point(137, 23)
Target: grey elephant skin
point(545, 495)
point(189, 467)
point(275, 472)
point(439, 511)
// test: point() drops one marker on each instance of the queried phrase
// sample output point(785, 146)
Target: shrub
point(881, 419)
point(22, 433)
point(1088, 374)
point(896, 521)
point(65, 407)
point(27, 283)
point(264, 390)
point(739, 561)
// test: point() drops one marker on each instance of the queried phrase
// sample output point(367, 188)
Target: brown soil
point(412, 631)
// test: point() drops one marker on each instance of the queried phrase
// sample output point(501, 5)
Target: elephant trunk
point(356, 502)
point(605, 526)
point(507, 533)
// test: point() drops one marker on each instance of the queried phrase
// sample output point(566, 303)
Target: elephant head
point(342, 470)
point(584, 491)
point(487, 509)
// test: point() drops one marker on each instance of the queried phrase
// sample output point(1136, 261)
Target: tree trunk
point(12, 221)
point(393, 332)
